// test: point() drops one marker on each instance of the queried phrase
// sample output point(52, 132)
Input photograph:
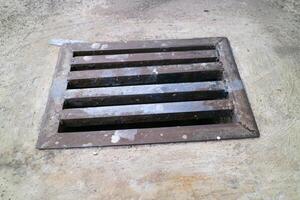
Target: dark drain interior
point(148, 86)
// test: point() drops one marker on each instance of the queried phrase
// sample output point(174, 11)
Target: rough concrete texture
point(265, 39)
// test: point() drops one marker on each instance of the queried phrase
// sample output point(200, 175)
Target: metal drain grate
point(144, 92)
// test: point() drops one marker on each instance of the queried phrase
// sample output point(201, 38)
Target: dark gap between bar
point(118, 64)
point(142, 50)
point(206, 121)
point(198, 76)
point(144, 99)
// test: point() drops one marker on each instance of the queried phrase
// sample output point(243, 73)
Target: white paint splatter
point(218, 138)
point(184, 137)
point(87, 145)
point(104, 46)
point(117, 57)
point(87, 58)
point(95, 45)
point(125, 134)
point(161, 134)
point(115, 138)
point(155, 71)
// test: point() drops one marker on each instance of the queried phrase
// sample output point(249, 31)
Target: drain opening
point(166, 91)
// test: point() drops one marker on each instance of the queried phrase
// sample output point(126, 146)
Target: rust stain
point(187, 182)
point(176, 181)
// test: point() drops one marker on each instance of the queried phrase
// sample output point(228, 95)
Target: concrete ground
point(265, 38)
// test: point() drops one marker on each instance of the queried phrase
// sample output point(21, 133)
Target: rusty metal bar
point(145, 113)
point(145, 75)
point(144, 94)
point(106, 48)
point(142, 59)
point(140, 136)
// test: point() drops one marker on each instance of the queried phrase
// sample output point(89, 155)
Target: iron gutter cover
point(145, 92)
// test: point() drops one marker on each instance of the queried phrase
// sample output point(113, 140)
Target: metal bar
point(50, 121)
point(147, 136)
point(145, 113)
point(105, 48)
point(243, 113)
point(144, 94)
point(142, 59)
point(145, 75)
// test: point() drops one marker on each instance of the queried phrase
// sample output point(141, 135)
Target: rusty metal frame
point(243, 125)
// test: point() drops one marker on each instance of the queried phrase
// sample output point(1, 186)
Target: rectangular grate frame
point(145, 92)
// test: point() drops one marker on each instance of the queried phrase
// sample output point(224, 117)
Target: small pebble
point(95, 153)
